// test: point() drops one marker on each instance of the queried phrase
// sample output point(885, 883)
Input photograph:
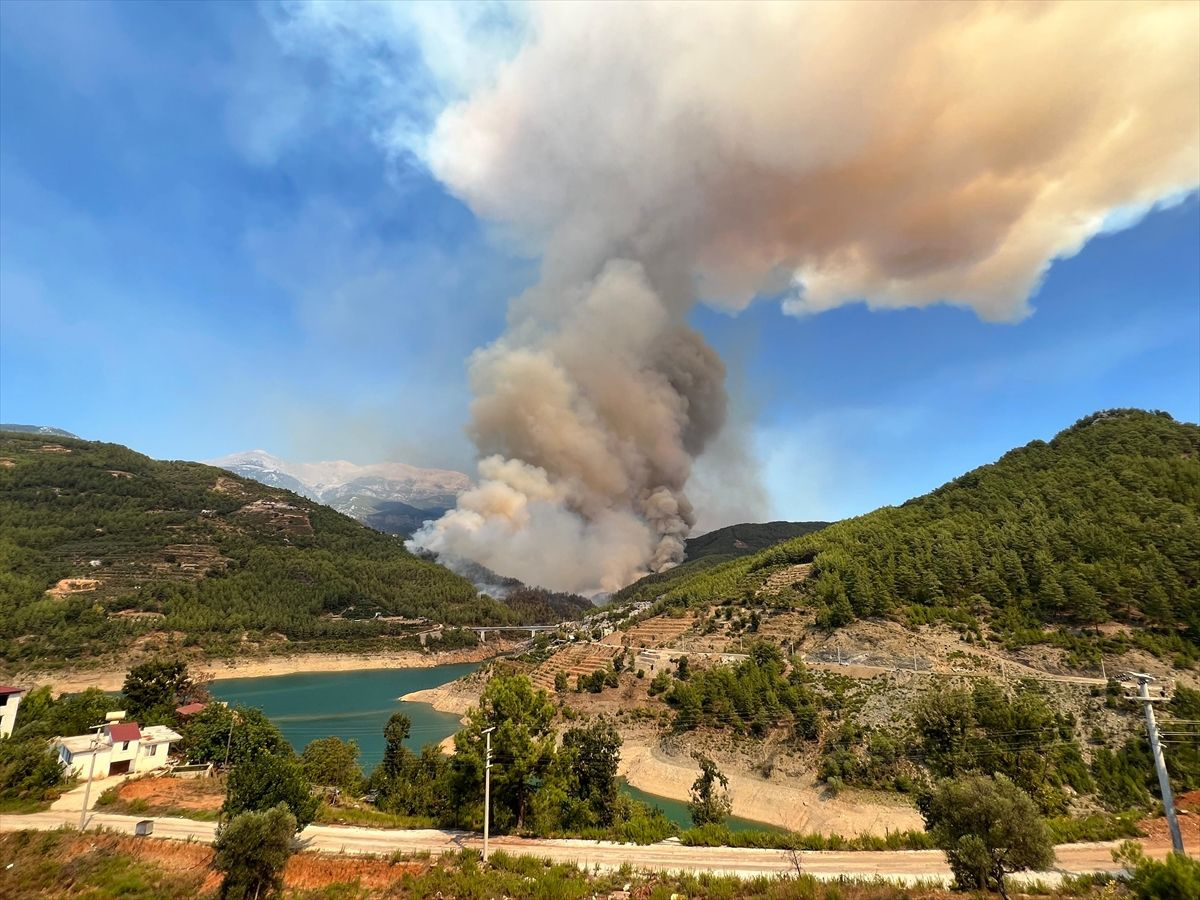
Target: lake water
point(356, 705)
point(349, 705)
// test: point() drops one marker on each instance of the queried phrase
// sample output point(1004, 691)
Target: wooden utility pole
point(1160, 764)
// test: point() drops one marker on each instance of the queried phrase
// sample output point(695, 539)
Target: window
point(66, 756)
point(153, 750)
point(125, 746)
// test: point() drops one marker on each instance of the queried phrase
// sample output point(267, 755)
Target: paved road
point(900, 865)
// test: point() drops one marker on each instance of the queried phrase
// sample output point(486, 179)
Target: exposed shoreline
point(112, 678)
point(786, 804)
point(445, 698)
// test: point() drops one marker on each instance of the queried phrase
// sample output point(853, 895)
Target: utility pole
point(229, 740)
point(1160, 764)
point(487, 789)
point(87, 788)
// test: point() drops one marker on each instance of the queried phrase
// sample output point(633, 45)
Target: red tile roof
point(9, 689)
point(190, 709)
point(125, 731)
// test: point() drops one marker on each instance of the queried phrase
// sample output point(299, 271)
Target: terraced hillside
point(574, 660)
point(100, 546)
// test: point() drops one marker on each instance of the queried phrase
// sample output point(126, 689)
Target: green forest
point(188, 548)
point(712, 549)
point(1099, 525)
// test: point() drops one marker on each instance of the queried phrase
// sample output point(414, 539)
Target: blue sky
point(203, 249)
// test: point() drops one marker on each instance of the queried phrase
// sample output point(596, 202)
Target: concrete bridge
point(531, 630)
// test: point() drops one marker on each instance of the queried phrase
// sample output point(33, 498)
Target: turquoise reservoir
point(349, 705)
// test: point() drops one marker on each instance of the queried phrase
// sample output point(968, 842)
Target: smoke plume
point(896, 154)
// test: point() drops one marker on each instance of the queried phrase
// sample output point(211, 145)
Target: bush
point(1100, 827)
point(987, 827)
point(267, 780)
point(1177, 876)
point(252, 849)
point(29, 771)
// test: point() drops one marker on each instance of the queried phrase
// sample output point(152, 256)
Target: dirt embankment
point(455, 697)
point(207, 794)
point(787, 801)
point(193, 862)
point(111, 679)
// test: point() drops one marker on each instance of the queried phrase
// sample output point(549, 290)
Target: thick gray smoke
point(899, 154)
point(588, 416)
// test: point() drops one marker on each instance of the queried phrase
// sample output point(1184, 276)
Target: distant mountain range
point(740, 540)
point(37, 429)
point(392, 497)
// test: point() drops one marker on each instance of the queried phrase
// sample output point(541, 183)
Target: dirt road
point(900, 865)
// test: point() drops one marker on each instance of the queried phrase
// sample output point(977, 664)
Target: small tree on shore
point(252, 849)
point(988, 827)
point(332, 762)
point(266, 780)
point(710, 804)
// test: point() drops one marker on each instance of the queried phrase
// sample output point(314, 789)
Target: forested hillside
point(99, 545)
point(1100, 525)
point(715, 547)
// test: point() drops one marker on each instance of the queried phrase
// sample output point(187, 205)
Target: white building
point(10, 699)
point(120, 748)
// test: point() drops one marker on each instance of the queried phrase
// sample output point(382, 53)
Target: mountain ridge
point(357, 489)
point(101, 547)
point(47, 430)
point(1054, 539)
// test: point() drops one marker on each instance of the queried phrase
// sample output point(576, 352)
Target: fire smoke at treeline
point(664, 155)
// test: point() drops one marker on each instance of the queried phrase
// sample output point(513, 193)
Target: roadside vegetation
point(46, 864)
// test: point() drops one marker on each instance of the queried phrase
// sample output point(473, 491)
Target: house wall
point(127, 750)
point(8, 714)
point(141, 759)
point(81, 763)
point(152, 756)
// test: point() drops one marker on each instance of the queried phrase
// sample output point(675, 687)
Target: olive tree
point(252, 849)
point(988, 827)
